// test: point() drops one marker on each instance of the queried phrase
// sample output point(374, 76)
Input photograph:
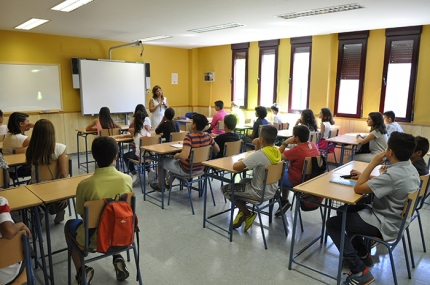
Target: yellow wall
point(422, 115)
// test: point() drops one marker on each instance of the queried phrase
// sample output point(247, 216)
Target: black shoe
point(59, 217)
point(90, 274)
point(155, 187)
point(120, 269)
point(285, 206)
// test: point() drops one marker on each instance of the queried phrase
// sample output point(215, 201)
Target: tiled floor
point(176, 249)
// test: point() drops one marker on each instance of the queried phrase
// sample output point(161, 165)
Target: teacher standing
point(157, 106)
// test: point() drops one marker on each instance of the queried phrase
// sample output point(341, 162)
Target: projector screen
point(29, 87)
point(120, 86)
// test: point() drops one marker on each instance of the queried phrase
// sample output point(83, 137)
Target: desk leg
point(39, 234)
point(205, 196)
point(293, 236)
point(86, 151)
point(48, 242)
point(342, 154)
point(342, 244)
point(233, 205)
point(162, 179)
point(77, 144)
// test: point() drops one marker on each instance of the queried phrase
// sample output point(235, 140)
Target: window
point(268, 72)
point(301, 50)
point(399, 75)
point(239, 79)
point(350, 74)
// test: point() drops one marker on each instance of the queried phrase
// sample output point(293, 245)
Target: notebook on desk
point(345, 182)
point(177, 145)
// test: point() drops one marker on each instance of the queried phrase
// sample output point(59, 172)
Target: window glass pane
point(239, 78)
point(398, 77)
point(300, 78)
point(348, 96)
point(267, 79)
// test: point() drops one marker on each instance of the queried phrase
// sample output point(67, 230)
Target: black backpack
point(311, 202)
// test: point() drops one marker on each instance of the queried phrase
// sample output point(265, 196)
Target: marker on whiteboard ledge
point(46, 111)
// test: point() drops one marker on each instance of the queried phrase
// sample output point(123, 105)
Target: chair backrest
point(333, 133)
point(177, 136)
point(422, 192)
point(110, 132)
point(307, 167)
point(315, 137)
point(3, 178)
point(200, 154)
point(220, 125)
point(409, 207)
point(233, 148)
point(19, 150)
point(13, 249)
point(282, 126)
point(150, 140)
point(51, 171)
point(274, 172)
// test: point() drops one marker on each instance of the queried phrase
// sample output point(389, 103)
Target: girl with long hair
point(307, 118)
point(377, 138)
point(327, 122)
point(167, 125)
point(43, 150)
point(139, 107)
point(104, 121)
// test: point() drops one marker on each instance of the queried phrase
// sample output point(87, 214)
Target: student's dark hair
point(139, 107)
point(42, 143)
point(230, 121)
point(269, 134)
point(14, 120)
point(275, 107)
point(219, 104)
point(139, 118)
point(104, 150)
point(402, 144)
point(391, 115)
point(1, 113)
point(378, 122)
point(302, 132)
point(309, 120)
point(422, 144)
point(169, 114)
point(261, 112)
point(200, 120)
point(105, 119)
point(327, 116)
point(154, 91)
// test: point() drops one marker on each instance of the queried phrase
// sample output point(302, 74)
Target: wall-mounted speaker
point(75, 73)
point(148, 75)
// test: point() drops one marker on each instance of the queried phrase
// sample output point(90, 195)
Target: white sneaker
point(135, 179)
point(151, 176)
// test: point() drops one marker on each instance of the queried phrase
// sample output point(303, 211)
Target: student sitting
point(18, 124)
point(326, 126)
point(296, 156)
point(139, 107)
point(104, 121)
point(307, 118)
point(252, 187)
point(261, 114)
point(167, 125)
point(8, 230)
point(180, 163)
point(219, 116)
point(229, 135)
point(142, 126)
point(417, 157)
point(377, 138)
point(106, 182)
point(383, 218)
point(278, 119)
point(43, 150)
point(392, 126)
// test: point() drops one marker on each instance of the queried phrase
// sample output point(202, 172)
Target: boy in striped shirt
point(180, 163)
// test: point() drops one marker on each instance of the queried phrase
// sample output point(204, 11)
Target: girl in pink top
point(104, 121)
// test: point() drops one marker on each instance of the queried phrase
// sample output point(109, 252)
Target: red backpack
point(117, 224)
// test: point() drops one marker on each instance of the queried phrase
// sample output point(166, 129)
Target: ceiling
point(130, 20)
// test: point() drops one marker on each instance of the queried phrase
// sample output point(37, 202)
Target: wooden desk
point(357, 165)
point(161, 150)
point(225, 164)
point(21, 198)
point(285, 133)
point(322, 187)
point(53, 191)
point(185, 125)
point(84, 133)
point(15, 159)
point(345, 140)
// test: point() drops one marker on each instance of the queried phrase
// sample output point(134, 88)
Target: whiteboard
point(30, 87)
point(120, 86)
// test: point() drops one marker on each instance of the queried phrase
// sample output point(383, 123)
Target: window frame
point(264, 46)
point(298, 43)
point(236, 48)
point(360, 37)
point(401, 34)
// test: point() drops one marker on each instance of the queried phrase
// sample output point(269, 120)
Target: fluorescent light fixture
point(32, 23)
point(217, 27)
point(154, 38)
point(320, 11)
point(70, 5)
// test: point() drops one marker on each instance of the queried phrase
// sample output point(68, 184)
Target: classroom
point(175, 249)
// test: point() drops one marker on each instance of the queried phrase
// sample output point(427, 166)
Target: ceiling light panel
point(155, 38)
point(70, 5)
point(321, 11)
point(32, 23)
point(217, 27)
